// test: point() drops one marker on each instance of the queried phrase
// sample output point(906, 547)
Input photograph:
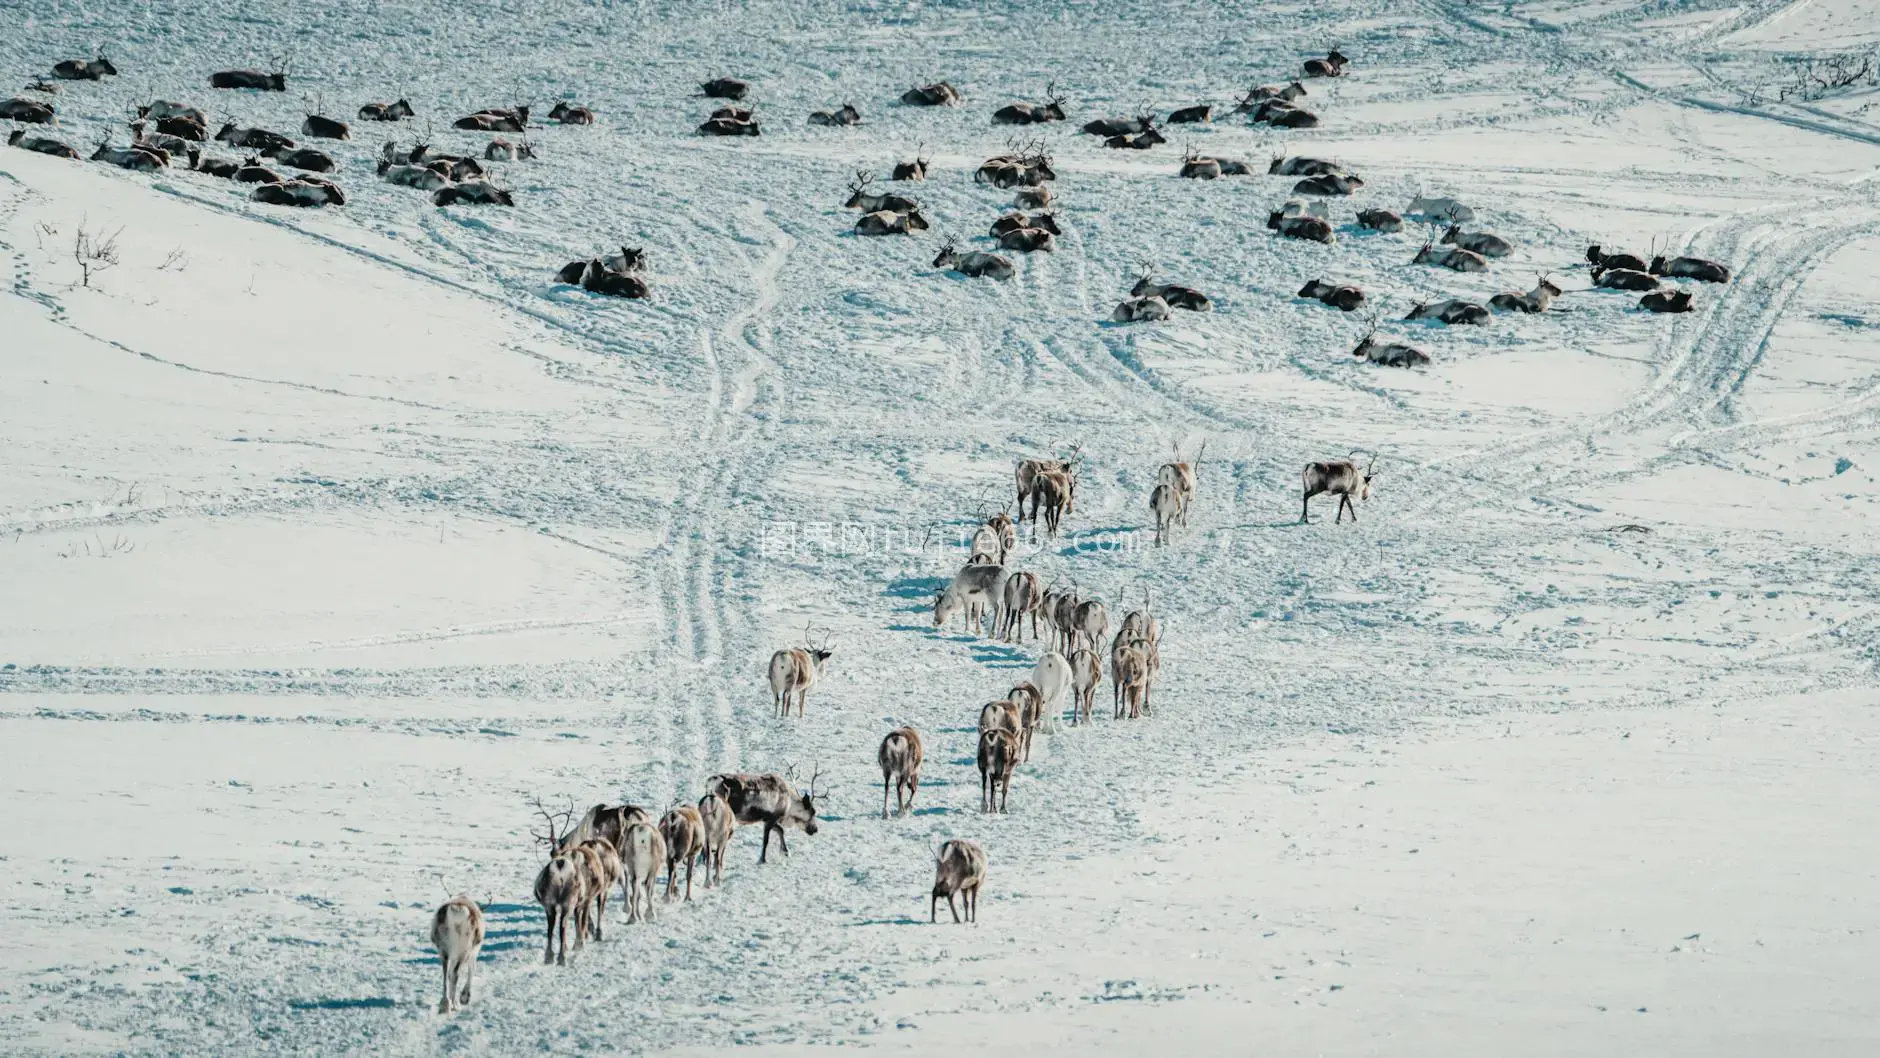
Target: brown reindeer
point(900, 758)
point(683, 829)
point(959, 868)
point(1339, 477)
point(457, 933)
point(998, 756)
point(794, 670)
point(719, 824)
point(561, 889)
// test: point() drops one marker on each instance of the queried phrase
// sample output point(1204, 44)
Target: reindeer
point(1450, 312)
point(959, 868)
point(1328, 184)
point(973, 263)
point(423, 177)
point(473, 193)
point(1690, 268)
point(1342, 296)
point(1176, 295)
point(1017, 221)
point(1441, 209)
point(174, 146)
point(715, 814)
point(770, 800)
point(914, 170)
point(1033, 198)
point(1536, 300)
point(1032, 113)
point(1333, 65)
point(1029, 701)
point(1055, 491)
point(1108, 127)
point(308, 159)
point(1167, 506)
point(568, 114)
point(1623, 279)
point(1051, 675)
point(1394, 354)
point(998, 756)
point(251, 171)
point(1284, 115)
point(974, 593)
point(1140, 310)
point(845, 115)
point(561, 889)
point(139, 159)
point(1630, 262)
point(1028, 240)
point(900, 757)
point(938, 94)
point(987, 545)
point(1141, 141)
point(735, 113)
point(160, 109)
point(1002, 715)
point(726, 88)
point(1310, 228)
point(1281, 165)
point(501, 150)
point(387, 111)
point(457, 166)
point(871, 201)
point(1196, 167)
point(1479, 241)
point(303, 193)
point(457, 933)
point(40, 144)
point(1341, 478)
point(1666, 301)
point(1454, 260)
point(888, 222)
point(605, 823)
point(1129, 678)
point(515, 119)
point(683, 830)
point(1021, 596)
point(417, 155)
point(597, 278)
point(1261, 93)
point(794, 670)
point(1086, 675)
point(603, 867)
point(1030, 167)
point(187, 129)
point(1092, 621)
point(1202, 114)
point(258, 80)
point(1025, 477)
point(1064, 618)
point(27, 111)
point(1379, 220)
point(642, 852)
point(84, 69)
point(324, 128)
point(268, 143)
point(1180, 476)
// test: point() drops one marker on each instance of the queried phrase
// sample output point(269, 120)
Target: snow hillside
point(332, 538)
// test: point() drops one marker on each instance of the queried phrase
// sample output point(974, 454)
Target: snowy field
point(330, 539)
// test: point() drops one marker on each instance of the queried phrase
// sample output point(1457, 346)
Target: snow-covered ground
point(332, 538)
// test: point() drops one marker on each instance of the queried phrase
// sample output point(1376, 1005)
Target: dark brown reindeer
point(560, 887)
point(900, 757)
point(725, 88)
point(268, 143)
point(1342, 296)
point(1108, 127)
point(1333, 65)
point(323, 128)
point(1141, 141)
point(998, 757)
point(1690, 268)
point(1450, 312)
point(1631, 262)
point(569, 114)
point(1261, 93)
point(1032, 113)
point(1379, 220)
point(728, 127)
point(1281, 165)
point(41, 144)
point(914, 170)
point(888, 222)
point(1284, 115)
point(1623, 279)
point(1313, 229)
point(1328, 184)
point(27, 111)
point(959, 869)
point(938, 94)
point(846, 114)
point(1202, 114)
point(398, 111)
point(1339, 477)
point(1016, 221)
point(84, 69)
point(258, 80)
point(770, 800)
point(1666, 301)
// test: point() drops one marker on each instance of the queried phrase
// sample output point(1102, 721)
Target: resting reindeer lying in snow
point(974, 262)
point(1479, 241)
point(1393, 354)
point(1536, 300)
point(1344, 296)
point(1666, 301)
point(938, 94)
point(1450, 312)
point(1455, 260)
point(1032, 113)
point(1139, 310)
point(1379, 220)
point(888, 222)
point(1176, 295)
point(1313, 229)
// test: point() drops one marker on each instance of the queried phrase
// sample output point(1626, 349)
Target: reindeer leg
point(548, 951)
point(783, 843)
point(933, 909)
point(1305, 509)
point(688, 876)
point(443, 1007)
point(884, 796)
point(763, 854)
point(955, 910)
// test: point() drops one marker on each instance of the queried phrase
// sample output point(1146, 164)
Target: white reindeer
point(1086, 676)
point(1052, 676)
point(794, 670)
point(457, 931)
point(643, 852)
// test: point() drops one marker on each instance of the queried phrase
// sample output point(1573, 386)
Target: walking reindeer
point(794, 670)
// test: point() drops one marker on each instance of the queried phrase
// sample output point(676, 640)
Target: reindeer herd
point(623, 844)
